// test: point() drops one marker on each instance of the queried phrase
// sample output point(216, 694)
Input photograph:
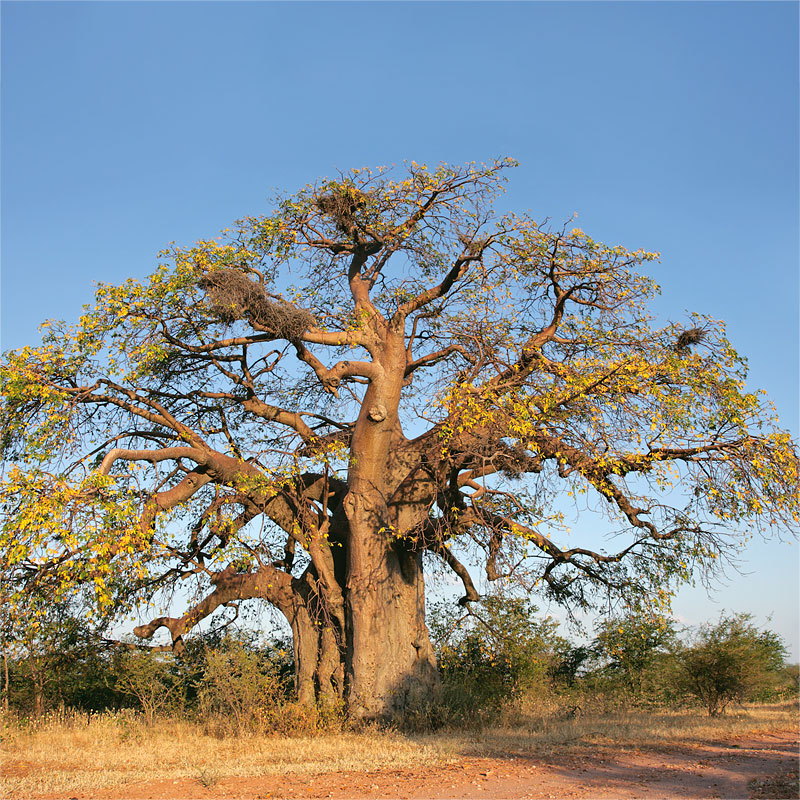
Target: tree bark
point(318, 657)
point(390, 662)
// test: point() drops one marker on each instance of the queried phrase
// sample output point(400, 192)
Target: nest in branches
point(472, 246)
point(235, 297)
point(510, 460)
point(341, 207)
point(689, 338)
point(514, 461)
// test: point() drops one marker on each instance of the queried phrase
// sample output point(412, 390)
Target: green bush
point(150, 678)
point(492, 654)
point(731, 661)
point(633, 658)
point(239, 689)
point(791, 679)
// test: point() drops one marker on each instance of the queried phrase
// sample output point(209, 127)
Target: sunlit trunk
point(390, 662)
point(389, 659)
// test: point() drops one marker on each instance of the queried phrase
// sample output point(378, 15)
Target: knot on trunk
point(377, 413)
point(365, 507)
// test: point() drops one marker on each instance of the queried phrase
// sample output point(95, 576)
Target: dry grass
point(541, 728)
point(73, 754)
point(60, 755)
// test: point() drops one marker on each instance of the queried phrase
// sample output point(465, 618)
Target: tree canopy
point(381, 367)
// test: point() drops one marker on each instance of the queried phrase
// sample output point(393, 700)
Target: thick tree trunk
point(305, 643)
point(319, 669)
point(318, 658)
point(389, 659)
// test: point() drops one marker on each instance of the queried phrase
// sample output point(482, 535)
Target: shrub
point(791, 679)
point(492, 653)
point(634, 656)
point(151, 679)
point(240, 689)
point(731, 661)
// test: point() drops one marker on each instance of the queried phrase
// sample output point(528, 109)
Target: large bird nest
point(235, 297)
point(690, 337)
point(341, 206)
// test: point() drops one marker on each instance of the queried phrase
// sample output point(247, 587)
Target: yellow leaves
point(54, 519)
point(588, 406)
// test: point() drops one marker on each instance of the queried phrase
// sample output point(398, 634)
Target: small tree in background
point(571, 661)
point(630, 647)
point(731, 661)
point(150, 678)
point(791, 674)
point(55, 658)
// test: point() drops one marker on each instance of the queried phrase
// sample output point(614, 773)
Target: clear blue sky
point(670, 126)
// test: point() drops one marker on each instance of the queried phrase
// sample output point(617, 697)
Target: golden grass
point(61, 756)
point(535, 730)
point(68, 754)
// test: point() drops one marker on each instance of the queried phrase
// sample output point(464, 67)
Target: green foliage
point(729, 661)
point(633, 651)
point(571, 662)
point(200, 649)
point(151, 679)
point(235, 683)
point(231, 682)
point(493, 653)
point(496, 656)
point(791, 676)
point(56, 659)
point(240, 689)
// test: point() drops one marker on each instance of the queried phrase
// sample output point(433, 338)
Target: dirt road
point(759, 766)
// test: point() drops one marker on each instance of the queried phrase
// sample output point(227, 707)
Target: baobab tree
point(381, 370)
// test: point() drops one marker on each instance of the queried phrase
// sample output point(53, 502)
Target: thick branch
point(471, 594)
point(456, 272)
point(434, 358)
point(292, 419)
point(336, 338)
point(332, 378)
point(154, 456)
point(169, 498)
point(230, 586)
